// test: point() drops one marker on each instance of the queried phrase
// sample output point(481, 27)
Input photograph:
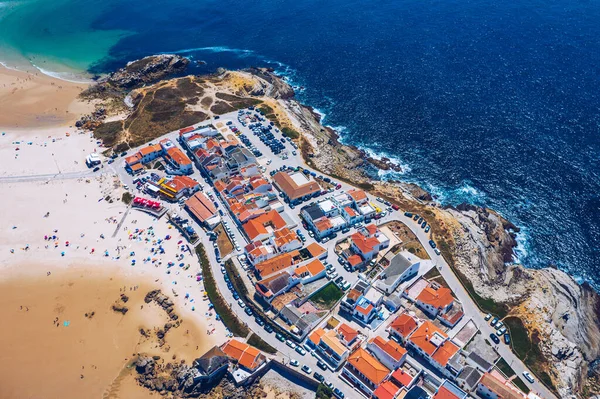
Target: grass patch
point(432, 273)
point(127, 197)
point(527, 349)
point(324, 392)
point(327, 296)
point(518, 382)
point(236, 279)
point(259, 343)
point(223, 241)
point(505, 368)
point(229, 318)
point(291, 133)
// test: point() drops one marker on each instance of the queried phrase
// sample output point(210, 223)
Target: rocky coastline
point(560, 317)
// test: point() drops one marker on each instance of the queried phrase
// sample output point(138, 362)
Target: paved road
point(51, 176)
point(286, 353)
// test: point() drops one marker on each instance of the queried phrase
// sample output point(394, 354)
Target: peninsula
point(250, 248)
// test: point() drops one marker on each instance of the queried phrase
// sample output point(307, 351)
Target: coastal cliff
point(554, 321)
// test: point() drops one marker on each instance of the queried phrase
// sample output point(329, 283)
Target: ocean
point(492, 103)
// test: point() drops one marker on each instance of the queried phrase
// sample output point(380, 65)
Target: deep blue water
point(495, 103)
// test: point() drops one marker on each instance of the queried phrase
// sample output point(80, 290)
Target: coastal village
point(343, 289)
point(298, 276)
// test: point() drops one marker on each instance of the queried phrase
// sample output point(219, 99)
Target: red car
point(395, 207)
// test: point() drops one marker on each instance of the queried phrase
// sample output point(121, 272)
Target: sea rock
point(147, 70)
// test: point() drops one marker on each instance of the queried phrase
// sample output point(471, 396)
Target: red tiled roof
point(357, 195)
point(276, 263)
point(313, 268)
point(445, 351)
point(387, 390)
point(364, 244)
point(391, 347)
point(315, 250)
point(422, 335)
point(404, 325)
point(257, 226)
point(355, 260)
point(178, 156)
point(444, 393)
point(285, 182)
point(439, 298)
point(368, 366)
point(246, 355)
point(200, 206)
point(402, 377)
point(347, 333)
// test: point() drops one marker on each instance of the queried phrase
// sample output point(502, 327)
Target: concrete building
point(400, 269)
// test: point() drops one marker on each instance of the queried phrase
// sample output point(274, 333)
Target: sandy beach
point(67, 248)
point(32, 99)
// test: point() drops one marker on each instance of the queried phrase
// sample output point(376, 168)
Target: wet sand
point(32, 99)
point(52, 350)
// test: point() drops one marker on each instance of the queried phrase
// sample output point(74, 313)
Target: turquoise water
point(490, 102)
point(56, 36)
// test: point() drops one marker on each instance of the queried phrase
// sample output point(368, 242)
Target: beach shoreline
point(32, 99)
point(67, 248)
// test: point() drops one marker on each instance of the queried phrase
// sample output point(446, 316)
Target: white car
point(290, 344)
point(223, 270)
point(528, 377)
point(241, 303)
point(294, 363)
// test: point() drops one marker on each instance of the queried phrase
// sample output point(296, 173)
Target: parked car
point(494, 321)
point(432, 244)
point(321, 365)
point(290, 344)
point(507, 339)
point(528, 377)
point(328, 384)
point(300, 350)
point(319, 377)
point(249, 311)
point(495, 338)
point(338, 394)
point(268, 328)
point(241, 303)
point(487, 317)
point(306, 369)
point(437, 251)
point(280, 337)
point(294, 363)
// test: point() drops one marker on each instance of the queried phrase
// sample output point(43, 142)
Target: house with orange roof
point(317, 251)
point(491, 387)
point(285, 240)
point(388, 352)
point(358, 196)
point(347, 334)
point(258, 252)
point(276, 264)
point(246, 356)
point(351, 215)
point(364, 371)
point(249, 361)
point(368, 241)
point(295, 186)
point(178, 187)
point(449, 391)
point(262, 227)
point(435, 300)
point(387, 390)
point(434, 345)
point(178, 162)
point(331, 349)
point(402, 327)
point(202, 209)
point(310, 271)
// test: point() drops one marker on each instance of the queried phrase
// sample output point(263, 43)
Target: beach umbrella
point(62, 254)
